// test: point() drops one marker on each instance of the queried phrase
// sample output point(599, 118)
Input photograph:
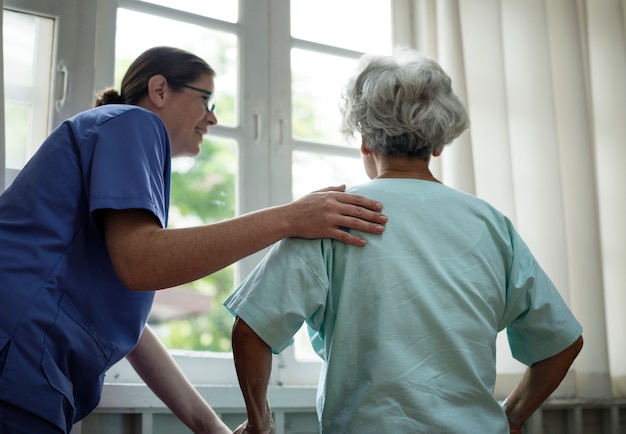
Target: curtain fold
point(607, 70)
point(544, 82)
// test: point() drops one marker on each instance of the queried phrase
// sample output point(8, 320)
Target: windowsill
point(209, 368)
point(135, 397)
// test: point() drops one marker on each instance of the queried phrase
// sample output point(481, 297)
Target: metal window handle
point(281, 131)
point(257, 128)
point(59, 103)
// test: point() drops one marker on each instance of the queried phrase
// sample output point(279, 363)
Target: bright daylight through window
point(27, 85)
point(191, 317)
point(205, 189)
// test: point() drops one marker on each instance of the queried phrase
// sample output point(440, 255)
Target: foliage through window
point(191, 317)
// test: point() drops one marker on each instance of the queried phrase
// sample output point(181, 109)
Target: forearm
point(538, 383)
point(148, 257)
point(158, 369)
point(253, 362)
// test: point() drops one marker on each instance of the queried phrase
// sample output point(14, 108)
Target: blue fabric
point(67, 316)
point(407, 325)
point(14, 420)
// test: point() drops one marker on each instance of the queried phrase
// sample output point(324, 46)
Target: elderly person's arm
point(537, 384)
point(253, 362)
point(158, 369)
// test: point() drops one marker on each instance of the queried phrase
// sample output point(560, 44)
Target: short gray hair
point(402, 104)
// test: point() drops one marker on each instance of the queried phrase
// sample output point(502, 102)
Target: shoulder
point(115, 114)
point(300, 253)
point(117, 123)
point(303, 247)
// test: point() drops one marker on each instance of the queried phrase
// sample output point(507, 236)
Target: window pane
point(17, 134)
point(360, 25)
point(191, 317)
point(219, 49)
point(316, 83)
point(312, 171)
point(225, 10)
point(303, 350)
point(27, 48)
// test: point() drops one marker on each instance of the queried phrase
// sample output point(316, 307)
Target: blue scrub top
point(65, 316)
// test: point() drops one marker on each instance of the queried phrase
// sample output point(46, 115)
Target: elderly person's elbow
point(242, 332)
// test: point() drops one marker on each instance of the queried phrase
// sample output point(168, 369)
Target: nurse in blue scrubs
point(84, 244)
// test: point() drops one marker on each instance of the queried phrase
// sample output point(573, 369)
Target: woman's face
point(187, 118)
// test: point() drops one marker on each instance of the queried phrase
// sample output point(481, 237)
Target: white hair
point(402, 104)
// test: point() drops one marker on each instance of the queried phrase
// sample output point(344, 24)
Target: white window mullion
point(281, 142)
point(254, 165)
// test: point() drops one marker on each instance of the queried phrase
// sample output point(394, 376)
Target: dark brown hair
point(177, 66)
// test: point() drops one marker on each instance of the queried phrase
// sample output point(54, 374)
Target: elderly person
point(407, 326)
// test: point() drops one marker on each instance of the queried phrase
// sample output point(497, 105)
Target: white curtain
point(544, 82)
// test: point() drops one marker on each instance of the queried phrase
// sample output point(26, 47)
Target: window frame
point(85, 41)
point(263, 131)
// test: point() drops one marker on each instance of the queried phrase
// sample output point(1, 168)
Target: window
point(321, 62)
point(191, 317)
point(306, 81)
point(28, 48)
point(278, 85)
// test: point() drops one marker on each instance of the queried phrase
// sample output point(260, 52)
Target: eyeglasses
point(209, 100)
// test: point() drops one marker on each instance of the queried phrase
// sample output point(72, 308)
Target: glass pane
point(316, 83)
point(360, 25)
point(27, 49)
point(16, 121)
point(191, 317)
point(303, 350)
point(219, 49)
point(18, 33)
point(313, 171)
point(225, 10)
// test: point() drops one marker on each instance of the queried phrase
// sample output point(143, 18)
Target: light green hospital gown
point(406, 326)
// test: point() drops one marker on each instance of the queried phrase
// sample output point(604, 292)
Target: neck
point(403, 168)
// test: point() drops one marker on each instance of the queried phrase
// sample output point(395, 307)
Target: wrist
point(254, 430)
point(513, 421)
point(261, 421)
point(261, 428)
point(286, 220)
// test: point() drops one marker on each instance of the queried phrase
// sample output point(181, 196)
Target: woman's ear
point(364, 149)
point(157, 86)
point(437, 152)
